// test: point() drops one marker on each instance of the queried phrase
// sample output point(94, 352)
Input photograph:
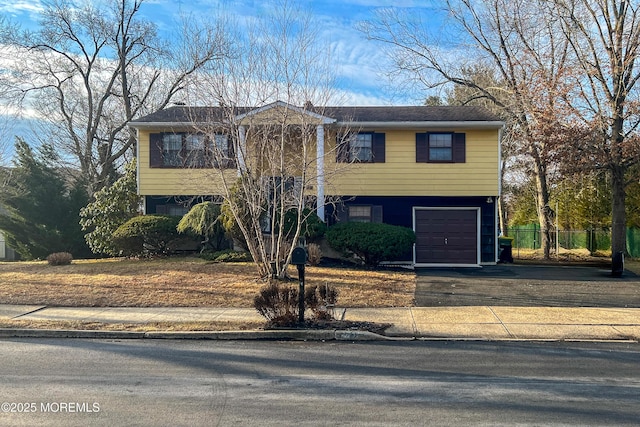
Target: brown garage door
point(446, 236)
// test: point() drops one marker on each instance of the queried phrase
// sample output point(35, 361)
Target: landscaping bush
point(228, 220)
point(372, 243)
point(312, 229)
point(321, 300)
point(60, 258)
point(280, 306)
point(148, 235)
point(227, 255)
point(314, 254)
point(204, 220)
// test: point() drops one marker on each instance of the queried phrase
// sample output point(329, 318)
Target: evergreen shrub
point(227, 255)
point(148, 235)
point(372, 243)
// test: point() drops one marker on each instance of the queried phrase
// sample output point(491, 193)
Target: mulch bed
point(377, 328)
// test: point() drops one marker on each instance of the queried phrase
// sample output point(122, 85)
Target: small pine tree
point(40, 205)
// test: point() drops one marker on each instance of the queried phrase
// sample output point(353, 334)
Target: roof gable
point(263, 113)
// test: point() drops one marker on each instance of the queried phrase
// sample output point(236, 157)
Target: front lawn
point(183, 282)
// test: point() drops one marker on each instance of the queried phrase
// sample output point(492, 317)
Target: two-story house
point(435, 169)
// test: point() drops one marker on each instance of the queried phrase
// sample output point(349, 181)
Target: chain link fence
point(529, 237)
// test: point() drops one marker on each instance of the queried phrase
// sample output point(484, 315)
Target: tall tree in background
point(92, 67)
point(486, 77)
point(515, 39)
point(41, 205)
point(604, 36)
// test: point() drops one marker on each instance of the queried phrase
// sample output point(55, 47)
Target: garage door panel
point(446, 236)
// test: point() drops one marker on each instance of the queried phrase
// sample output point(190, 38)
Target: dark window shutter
point(155, 150)
point(378, 146)
point(459, 148)
point(422, 147)
point(376, 213)
point(231, 161)
point(342, 148)
point(342, 213)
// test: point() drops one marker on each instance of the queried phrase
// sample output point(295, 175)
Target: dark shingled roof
point(421, 113)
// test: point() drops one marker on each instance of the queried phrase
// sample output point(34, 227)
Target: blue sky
point(360, 64)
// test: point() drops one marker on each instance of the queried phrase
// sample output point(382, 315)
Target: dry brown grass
point(241, 325)
point(183, 282)
point(564, 256)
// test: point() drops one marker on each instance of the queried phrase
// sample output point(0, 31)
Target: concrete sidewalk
point(479, 322)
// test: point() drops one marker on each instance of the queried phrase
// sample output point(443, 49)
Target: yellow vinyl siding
point(400, 175)
point(176, 182)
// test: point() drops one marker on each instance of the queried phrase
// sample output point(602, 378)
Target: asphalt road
point(526, 286)
point(73, 382)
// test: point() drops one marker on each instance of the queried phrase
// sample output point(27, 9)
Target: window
point(222, 153)
point(190, 150)
point(441, 147)
point(364, 147)
point(195, 150)
point(172, 209)
point(222, 145)
point(361, 148)
point(360, 213)
point(171, 147)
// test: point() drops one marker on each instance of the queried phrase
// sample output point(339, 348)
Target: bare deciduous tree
point(272, 91)
point(90, 69)
point(516, 40)
point(605, 40)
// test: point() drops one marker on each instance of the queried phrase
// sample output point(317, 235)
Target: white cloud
point(30, 7)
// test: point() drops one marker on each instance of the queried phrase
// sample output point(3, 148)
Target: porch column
point(320, 170)
point(242, 148)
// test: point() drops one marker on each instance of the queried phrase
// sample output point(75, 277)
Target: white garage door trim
point(476, 209)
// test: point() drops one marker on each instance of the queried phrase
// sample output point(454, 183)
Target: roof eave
point(149, 125)
point(480, 124)
point(352, 124)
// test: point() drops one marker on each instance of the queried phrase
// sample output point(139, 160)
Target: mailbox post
point(299, 259)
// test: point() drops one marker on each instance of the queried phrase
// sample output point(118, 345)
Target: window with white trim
point(440, 147)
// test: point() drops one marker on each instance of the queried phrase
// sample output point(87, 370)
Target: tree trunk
point(618, 187)
point(618, 214)
point(542, 207)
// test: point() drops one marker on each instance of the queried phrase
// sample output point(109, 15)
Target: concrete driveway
point(520, 285)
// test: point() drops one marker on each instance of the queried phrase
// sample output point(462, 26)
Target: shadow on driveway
point(526, 286)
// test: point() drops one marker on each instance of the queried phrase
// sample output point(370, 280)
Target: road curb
point(289, 334)
point(69, 333)
point(274, 335)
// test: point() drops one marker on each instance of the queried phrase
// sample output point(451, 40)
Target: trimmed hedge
point(148, 235)
point(371, 242)
point(227, 255)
